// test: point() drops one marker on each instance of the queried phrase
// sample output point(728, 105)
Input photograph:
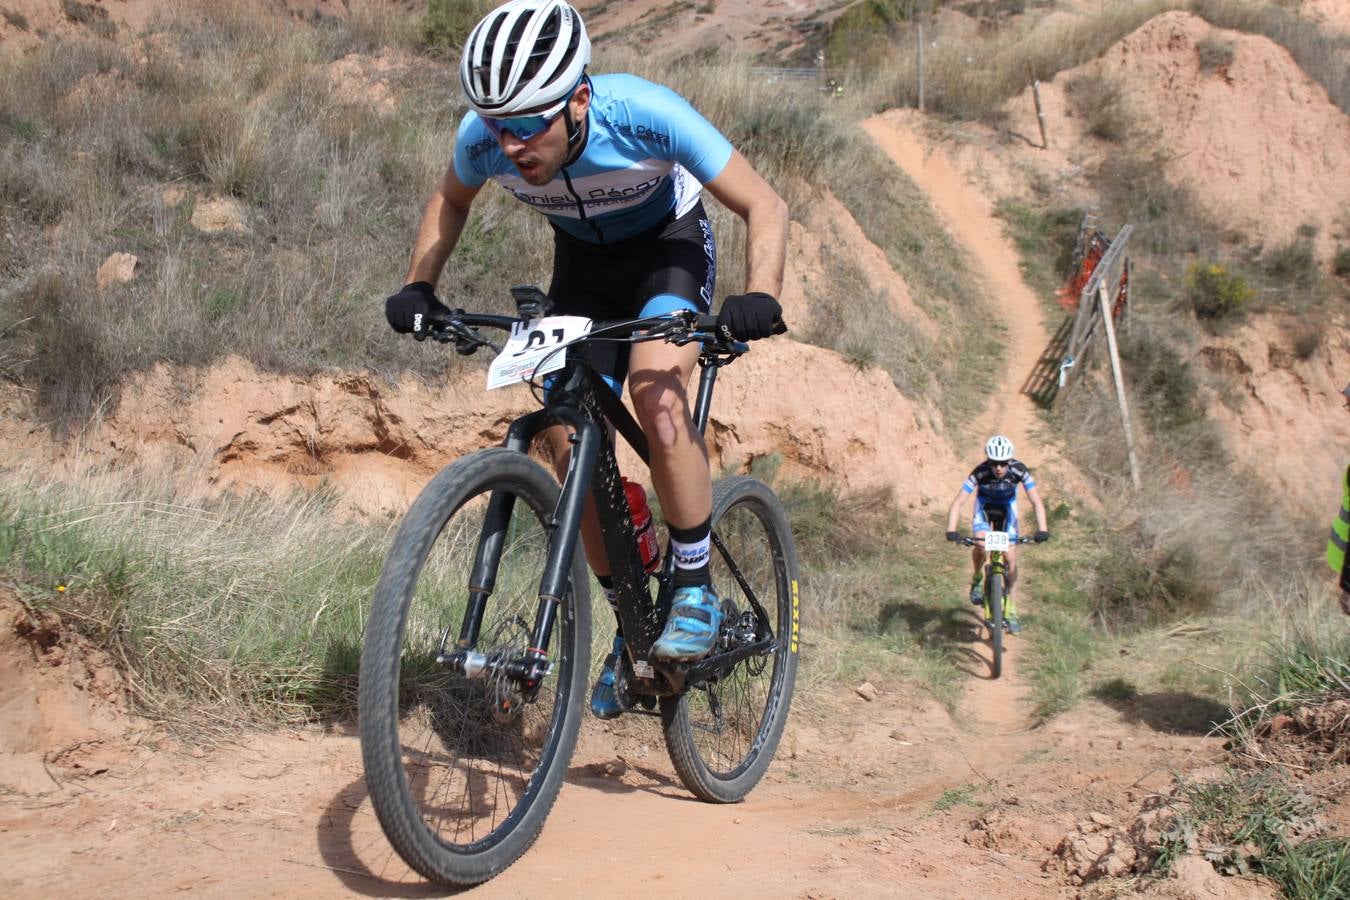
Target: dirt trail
point(882, 798)
point(967, 212)
point(968, 216)
point(867, 799)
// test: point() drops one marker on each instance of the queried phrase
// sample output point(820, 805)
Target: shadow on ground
point(1166, 711)
point(954, 630)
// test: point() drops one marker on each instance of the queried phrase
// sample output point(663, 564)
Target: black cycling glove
point(953, 536)
point(407, 310)
point(749, 317)
point(1041, 537)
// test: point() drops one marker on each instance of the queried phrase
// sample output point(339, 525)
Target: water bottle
point(641, 513)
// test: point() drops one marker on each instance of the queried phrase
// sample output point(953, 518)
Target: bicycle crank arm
point(722, 663)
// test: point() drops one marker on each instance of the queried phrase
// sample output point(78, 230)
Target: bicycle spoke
point(471, 748)
point(722, 736)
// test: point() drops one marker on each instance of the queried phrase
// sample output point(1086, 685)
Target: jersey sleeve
point(663, 118)
point(1021, 475)
point(476, 151)
point(970, 484)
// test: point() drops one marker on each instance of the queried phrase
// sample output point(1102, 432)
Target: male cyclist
point(994, 483)
point(616, 164)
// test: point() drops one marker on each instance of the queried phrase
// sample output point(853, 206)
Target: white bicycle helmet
point(999, 449)
point(525, 56)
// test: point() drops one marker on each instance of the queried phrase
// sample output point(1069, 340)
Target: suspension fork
point(492, 538)
point(564, 523)
point(996, 567)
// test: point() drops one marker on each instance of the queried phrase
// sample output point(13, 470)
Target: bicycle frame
point(580, 400)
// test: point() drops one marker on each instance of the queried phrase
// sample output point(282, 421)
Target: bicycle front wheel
point(463, 771)
point(996, 616)
point(722, 736)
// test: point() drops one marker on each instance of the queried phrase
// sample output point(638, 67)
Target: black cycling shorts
point(672, 266)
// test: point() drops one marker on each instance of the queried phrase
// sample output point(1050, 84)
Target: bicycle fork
point(641, 622)
point(531, 669)
point(993, 567)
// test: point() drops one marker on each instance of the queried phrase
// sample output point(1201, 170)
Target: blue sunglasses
point(523, 127)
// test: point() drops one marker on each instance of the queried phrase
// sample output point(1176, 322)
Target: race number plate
point(996, 540)
point(535, 348)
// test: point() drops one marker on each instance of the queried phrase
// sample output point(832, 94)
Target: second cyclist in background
point(994, 486)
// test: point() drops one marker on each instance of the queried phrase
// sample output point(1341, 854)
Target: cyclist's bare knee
point(663, 413)
point(561, 447)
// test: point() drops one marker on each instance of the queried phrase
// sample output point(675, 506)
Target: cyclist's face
point(539, 158)
point(996, 465)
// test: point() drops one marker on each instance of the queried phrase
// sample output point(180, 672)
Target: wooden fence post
point(920, 63)
point(1106, 297)
point(1040, 112)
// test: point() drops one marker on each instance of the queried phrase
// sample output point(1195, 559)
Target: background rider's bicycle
point(476, 654)
point(995, 587)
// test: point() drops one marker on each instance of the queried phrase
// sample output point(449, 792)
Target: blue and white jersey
point(647, 154)
point(993, 489)
point(1000, 493)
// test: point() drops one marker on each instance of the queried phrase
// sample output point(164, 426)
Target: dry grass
point(224, 609)
point(1100, 104)
point(225, 101)
point(228, 101)
point(971, 78)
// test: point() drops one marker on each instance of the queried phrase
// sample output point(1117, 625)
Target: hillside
point(204, 442)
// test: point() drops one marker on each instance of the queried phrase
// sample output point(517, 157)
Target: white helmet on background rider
point(999, 449)
point(525, 56)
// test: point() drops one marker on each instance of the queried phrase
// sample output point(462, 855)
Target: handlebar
point(679, 327)
point(968, 541)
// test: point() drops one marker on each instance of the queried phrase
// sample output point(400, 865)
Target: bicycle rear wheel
point(463, 771)
point(996, 616)
point(722, 736)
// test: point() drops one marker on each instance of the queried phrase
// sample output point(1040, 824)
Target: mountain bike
point(476, 653)
point(995, 583)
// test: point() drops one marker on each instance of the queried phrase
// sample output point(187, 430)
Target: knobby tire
point(722, 737)
point(443, 751)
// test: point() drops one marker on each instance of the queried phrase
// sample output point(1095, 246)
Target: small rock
point(867, 691)
point(219, 214)
point(1118, 862)
point(1100, 818)
point(116, 269)
point(1092, 847)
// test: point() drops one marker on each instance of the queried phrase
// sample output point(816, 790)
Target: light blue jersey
point(647, 155)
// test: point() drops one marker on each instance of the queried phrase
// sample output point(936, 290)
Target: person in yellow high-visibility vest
point(1337, 557)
